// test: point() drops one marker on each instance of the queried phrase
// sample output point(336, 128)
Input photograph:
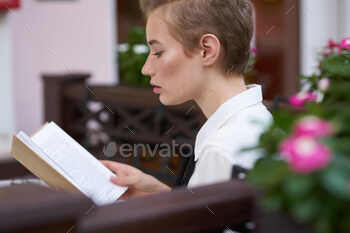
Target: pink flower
point(332, 44)
point(300, 99)
point(305, 154)
point(331, 48)
point(253, 51)
point(345, 43)
point(286, 147)
point(313, 127)
point(323, 84)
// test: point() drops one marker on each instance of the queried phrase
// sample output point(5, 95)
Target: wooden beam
point(202, 209)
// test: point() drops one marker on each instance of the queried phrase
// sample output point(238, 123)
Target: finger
point(114, 165)
point(106, 164)
point(126, 181)
point(118, 168)
point(125, 195)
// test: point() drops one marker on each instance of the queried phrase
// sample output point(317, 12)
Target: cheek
point(179, 76)
point(181, 81)
point(170, 66)
point(178, 70)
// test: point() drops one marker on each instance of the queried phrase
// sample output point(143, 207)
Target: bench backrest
point(202, 209)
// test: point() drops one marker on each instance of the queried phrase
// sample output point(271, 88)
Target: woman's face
point(177, 77)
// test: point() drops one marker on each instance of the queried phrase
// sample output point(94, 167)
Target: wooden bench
point(204, 209)
point(215, 208)
point(33, 208)
point(208, 209)
point(10, 169)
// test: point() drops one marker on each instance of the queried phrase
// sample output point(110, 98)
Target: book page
point(90, 175)
point(37, 150)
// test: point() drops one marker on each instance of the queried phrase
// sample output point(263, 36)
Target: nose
point(147, 68)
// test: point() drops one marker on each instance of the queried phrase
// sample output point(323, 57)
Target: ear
point(210, 47)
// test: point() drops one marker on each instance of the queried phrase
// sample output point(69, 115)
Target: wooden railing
point(11, 168)
point(32, 208)
point(100, 117)
point(211, 208)
point(103, 117)
point(208, 209)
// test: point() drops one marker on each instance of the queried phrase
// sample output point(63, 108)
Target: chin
point(170, 101)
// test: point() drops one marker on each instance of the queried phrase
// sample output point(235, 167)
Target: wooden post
point(53, 94)
point(277, 42)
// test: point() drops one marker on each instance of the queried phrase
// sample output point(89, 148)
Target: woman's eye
point(158, 54)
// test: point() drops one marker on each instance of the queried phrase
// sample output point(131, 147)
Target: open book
point(63, 164)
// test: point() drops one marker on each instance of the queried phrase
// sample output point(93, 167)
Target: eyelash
point(158, 54)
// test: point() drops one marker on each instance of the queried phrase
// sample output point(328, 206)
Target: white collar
point(245, 99)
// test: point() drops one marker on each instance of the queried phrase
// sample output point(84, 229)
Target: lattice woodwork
point(103, 122)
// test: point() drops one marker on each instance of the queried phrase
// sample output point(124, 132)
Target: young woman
point(199, 50)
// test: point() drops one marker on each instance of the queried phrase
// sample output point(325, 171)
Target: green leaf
point(336, 181)
point(339, 65)
point(131, 63)
point(284, 120)
point(268, 172)
point(323, 226)
point(137, 35)
point(306, 210)
point(342, 161)
point(271, 202)
point(345, 223)
point(338, 93)
point(297, 186)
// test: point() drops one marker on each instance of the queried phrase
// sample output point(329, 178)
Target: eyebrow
point(152, 42)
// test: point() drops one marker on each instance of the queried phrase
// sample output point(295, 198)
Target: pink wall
point(56, 37)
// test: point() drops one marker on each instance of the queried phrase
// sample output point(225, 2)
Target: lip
point(156, 89)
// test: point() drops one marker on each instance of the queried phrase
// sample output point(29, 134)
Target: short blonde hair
point(230, 20)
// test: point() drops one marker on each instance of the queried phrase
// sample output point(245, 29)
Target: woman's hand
point(138, 183)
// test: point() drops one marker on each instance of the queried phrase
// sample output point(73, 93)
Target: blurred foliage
point(132, 58)
point(320, 198)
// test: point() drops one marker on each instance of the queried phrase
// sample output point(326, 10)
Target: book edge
point(16, 143)
point(41, 127)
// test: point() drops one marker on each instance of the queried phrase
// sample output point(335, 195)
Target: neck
point(217, 90)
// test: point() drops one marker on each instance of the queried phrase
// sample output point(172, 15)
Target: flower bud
point(323, 84)
point(313, 127)
point(301, 98)
point(345, 43)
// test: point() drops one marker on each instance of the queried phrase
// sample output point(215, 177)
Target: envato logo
point(133, 150)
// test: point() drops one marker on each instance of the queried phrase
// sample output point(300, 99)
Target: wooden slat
point(10, 169)
point(187, 211)
point(35, 208)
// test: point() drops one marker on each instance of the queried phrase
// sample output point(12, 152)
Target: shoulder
point(254, 117)
point(240, 132)
point(243, 129)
